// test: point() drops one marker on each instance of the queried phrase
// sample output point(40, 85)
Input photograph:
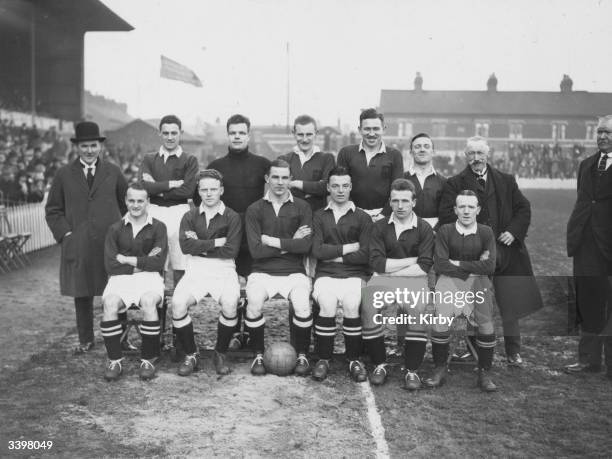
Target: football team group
point(319, 231)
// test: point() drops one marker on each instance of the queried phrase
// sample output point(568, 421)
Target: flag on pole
point(175, 71)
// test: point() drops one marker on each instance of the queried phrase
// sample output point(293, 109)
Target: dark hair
point(170, 119)
point(279, 163)
point(421, 135)
point(303, 120)
point(138, 186)
point(370, 113)
point(467, 193)
point(209, 173)
point(402, 184)
point(339, 171)
point(238, 119)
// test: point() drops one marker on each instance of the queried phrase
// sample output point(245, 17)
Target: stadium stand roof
point(91, 15)
point(490, 103)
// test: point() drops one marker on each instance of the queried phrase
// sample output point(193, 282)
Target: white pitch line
point(378, 431)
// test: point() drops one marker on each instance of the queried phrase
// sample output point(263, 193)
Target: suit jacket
point(72, 206)
point(594, 210)
point(516, 291)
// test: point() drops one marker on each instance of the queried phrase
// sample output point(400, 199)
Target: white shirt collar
point(483, 174)
point(429, 171)
point(267, 197)
point(220, 209)
point(331, 206)
point(382, 149)
point(85, 166)
point(178, 151)
point(412, 223)
point(465, 231)
point(126, 219)
point(302, 156)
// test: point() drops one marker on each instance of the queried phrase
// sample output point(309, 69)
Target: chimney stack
point(492, 83)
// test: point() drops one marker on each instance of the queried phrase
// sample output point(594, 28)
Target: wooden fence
point(31, 218)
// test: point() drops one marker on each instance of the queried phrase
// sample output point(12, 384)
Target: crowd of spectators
point(540, 161)
point(127, 157)
point(28, 161)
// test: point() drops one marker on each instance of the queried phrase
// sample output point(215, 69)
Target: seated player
point(340, 245)
point(279, 231)
point(210, 237)
point(134, 254)
point(464, 257)
point(401, 245)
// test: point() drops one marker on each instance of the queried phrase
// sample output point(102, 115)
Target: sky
point(341, 53)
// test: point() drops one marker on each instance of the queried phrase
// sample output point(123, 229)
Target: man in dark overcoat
point(589, 242)
point(86, 197)
point(508, 213)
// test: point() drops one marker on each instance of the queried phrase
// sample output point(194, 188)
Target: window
point(438, 130)
point(404, 129)
point(482, 129)
point(591, 131)
point(558, 131)
point(516, 131)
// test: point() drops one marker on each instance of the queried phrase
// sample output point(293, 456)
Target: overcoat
point(516, 291)
point(590, 209)
point(589, 242)
point(72, 206)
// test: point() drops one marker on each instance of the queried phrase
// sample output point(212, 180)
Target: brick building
point(566, 117)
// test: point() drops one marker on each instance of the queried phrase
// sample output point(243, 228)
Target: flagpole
point(288, 89)
point(33, 62)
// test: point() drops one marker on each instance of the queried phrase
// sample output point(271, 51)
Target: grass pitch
point(48, 394)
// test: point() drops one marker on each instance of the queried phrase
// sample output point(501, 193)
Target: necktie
point(90, 177)
point(481, 181)
point(601, 166)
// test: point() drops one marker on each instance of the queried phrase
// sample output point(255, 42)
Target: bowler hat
point(85, 131)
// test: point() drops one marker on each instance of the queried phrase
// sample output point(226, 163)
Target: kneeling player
point(279, 235)
point(465, 257)
point(340, 244)
point(134, 254)
point(402, 245)
point(210, 237)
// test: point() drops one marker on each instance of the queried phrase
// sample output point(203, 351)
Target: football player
point(169, 177)
point(135, 250)
point(402, 245)
point(340, 245)
point(464, 257)
point(279, 232)
point(210, 237)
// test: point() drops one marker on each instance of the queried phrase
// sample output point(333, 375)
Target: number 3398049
point(30, 444)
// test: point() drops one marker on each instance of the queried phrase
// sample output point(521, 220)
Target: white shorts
point(478, 306)
point(339, 288)
point(199, 284)
point(273, 285)
point(171, 217)
point(131, 287)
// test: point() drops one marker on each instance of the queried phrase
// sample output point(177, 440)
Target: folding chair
point(4, 256)
point(135, 319)
point(14, 242)
point(240, 338)
point(461, 331)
